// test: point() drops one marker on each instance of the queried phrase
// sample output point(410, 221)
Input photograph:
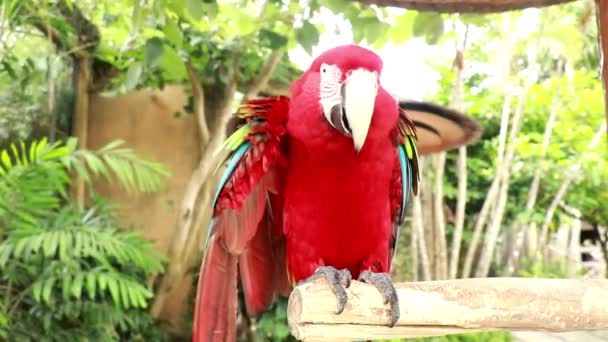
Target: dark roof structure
point(465, 6)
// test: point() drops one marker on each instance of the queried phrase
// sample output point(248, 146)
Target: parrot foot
point(383, 282)
point(338, 280)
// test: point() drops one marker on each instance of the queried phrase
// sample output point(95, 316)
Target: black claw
point(382, 281)
point(335, 278)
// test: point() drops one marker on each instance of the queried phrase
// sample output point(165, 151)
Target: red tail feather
point(257, 266)
point(216, 299)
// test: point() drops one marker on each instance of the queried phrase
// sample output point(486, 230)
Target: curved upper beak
point(354, 115)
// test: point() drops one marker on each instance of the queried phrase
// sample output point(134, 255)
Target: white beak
point(360, 90)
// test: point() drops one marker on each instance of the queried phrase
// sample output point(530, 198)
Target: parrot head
point(339, 101)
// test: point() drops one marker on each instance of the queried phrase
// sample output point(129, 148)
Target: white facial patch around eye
point(329, 87)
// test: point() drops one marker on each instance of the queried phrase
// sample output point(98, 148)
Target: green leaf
point(153, 52)
point(113, 286)
point(124, 292)
point(48, 287)
point(65, 286)
point(133, 75)
point(401, 31)
point(375, 30)
point(56, 153)
point(245, 23)
point(429, 25)
point(103, 282)
point(76, 289)
point(37, 291)
point(195, 8)
point(173, 34)
point(9, 69)
point(474, 19)
point(275, 40)
point(6, 160)
point(91, 285)
point(32, 155)
point(307, 36)
point(40, 147)
point(211, 9)
point(336, 6)
point(173, 65)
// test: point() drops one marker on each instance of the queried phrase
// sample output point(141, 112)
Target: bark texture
point(602, 21)
point(445, 307)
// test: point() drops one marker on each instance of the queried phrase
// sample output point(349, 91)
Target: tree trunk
point(461, 203)
point(418, 226)
point(602, 233)
point(571, 173)
point(212, 108)
point(188, 224)
point(440, 237)
point(574, 248)
point(521, 227)
point(414, 253)
point(80, 118)
point(492, 192)
point(602, 22)
point(457, 100)
point(504, 170)
point(426, 205)
point(503, 175)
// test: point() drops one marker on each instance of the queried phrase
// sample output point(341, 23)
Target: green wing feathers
point(407, 132)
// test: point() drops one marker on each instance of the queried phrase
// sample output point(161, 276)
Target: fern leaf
point(23, 154)
point(113, 286)
point(16, 155)
point(124, 292)
point(66, 286)
point(76, 288)
point(40, 147)
point(91, 281)
point(6, 160)
point(37, 291)
point(46, 290)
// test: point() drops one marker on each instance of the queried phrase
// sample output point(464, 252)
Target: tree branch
point(461, 164)
point(262, 78)
point(447, 307)
point(441, 266)
point(602, 29)
point(571, 174)
point(198, 99)
point(53, 35)
point(86, 31)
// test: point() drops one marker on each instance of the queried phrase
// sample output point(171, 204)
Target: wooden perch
point(448, 307)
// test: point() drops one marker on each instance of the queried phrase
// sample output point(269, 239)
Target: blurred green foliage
point(498, 336)
point(272, 325)
point(70, 273)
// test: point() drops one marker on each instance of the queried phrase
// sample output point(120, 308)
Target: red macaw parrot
point(315, 186)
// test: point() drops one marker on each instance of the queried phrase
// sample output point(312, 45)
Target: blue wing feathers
point(406, 183)
point(234, 160)
point(407, 179)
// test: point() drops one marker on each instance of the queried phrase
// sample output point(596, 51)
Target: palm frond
point(134, 173)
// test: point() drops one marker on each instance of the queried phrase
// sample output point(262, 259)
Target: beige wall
point(146, 121)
